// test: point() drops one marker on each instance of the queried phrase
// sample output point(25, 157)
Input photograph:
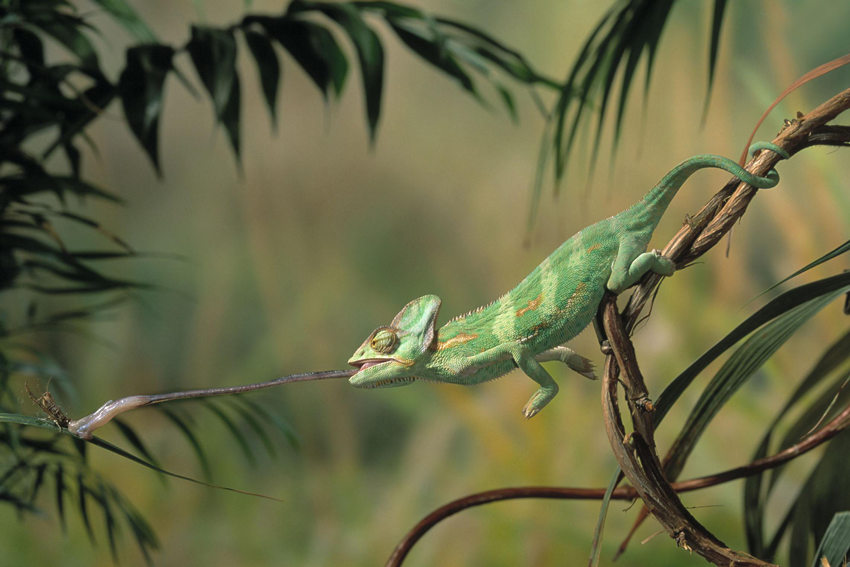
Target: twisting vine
point(636, 453)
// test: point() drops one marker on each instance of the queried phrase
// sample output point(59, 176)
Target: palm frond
point(756, 492)
point(628, 32)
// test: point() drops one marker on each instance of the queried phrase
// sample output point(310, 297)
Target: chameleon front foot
point(538, 401)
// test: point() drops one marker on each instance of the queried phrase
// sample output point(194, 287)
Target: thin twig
point(85, 426)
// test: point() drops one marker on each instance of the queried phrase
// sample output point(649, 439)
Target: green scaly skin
point(530, 324)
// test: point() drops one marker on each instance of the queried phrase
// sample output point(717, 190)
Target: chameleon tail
point(647, 212)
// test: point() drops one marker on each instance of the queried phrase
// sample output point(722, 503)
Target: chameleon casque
point(556, 301)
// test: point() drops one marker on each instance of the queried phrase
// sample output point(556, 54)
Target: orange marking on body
point(575, 296)
point(580, 289)
point(532, 305)
point(458, 339)
point(596, 246)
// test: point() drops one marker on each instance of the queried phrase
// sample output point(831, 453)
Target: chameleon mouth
point(364, 364)
point(360, 382)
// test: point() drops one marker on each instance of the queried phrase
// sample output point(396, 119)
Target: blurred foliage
point(47, 107)
point(59, 81)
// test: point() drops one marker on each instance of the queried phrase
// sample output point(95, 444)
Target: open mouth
point(360, 382)
point(364, 364)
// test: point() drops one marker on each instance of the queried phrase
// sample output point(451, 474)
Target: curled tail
point(649, 209)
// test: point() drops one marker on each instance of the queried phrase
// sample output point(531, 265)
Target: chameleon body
point(530, 324)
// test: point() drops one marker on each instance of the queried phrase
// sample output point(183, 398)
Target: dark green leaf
point(61, 488)
point(82, 503)
point(231, 426)
point(843, 248)
point(755, 498)
point(21, 185)
point(508, 99)
point(213, 53)
point(67, 30)
point(248, 415)
point(127, 17)
point(773, 309)
point(509, 60)
point(85, 108)
point(108, 520)
point(825, 493)
point(37, 482)
point(97, 441)
point(739, 368)
point(29, 420)
point(133, 438)
point(31, 49)
point(370, 53)
point(430, 48)
point(81, 447)
point(314, 48)
point(713, 49)
point(190, 436)
point(141, 88)
point(271, 418)
point(596, 547)
point(835, 544)
point(231, 121)
point(143, 532)
point(268, 68)
point(19, 503)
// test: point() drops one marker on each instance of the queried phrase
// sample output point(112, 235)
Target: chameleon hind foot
point(571, 358)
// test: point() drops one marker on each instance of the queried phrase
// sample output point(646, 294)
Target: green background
point(290, 266)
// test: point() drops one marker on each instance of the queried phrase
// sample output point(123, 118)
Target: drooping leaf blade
point(141, 88)
point(313, 47)
point(231, 426)
point(835, 545)
point(67, 29)
point(713, 49)
point(755, 497)
point(774, 308)
point(133, 438)
point(825, 493)
point(429, 46)
point(837, 251)
point(268, 67)
point(734, 373)
point(213, 53)
point(183, 425)
point(370, 54)
point(127, 16)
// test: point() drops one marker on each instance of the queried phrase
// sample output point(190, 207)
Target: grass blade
point(739, 368)
point(776, 307)
point(190, 436)
point(835, 544)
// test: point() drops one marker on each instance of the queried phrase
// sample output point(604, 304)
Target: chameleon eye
point(385, 341)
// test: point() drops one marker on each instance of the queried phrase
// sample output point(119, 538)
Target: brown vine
point(635, 452)
point(835, 426)
point(715, 219)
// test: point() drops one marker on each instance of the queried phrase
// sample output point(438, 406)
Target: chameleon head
point(393, 354)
